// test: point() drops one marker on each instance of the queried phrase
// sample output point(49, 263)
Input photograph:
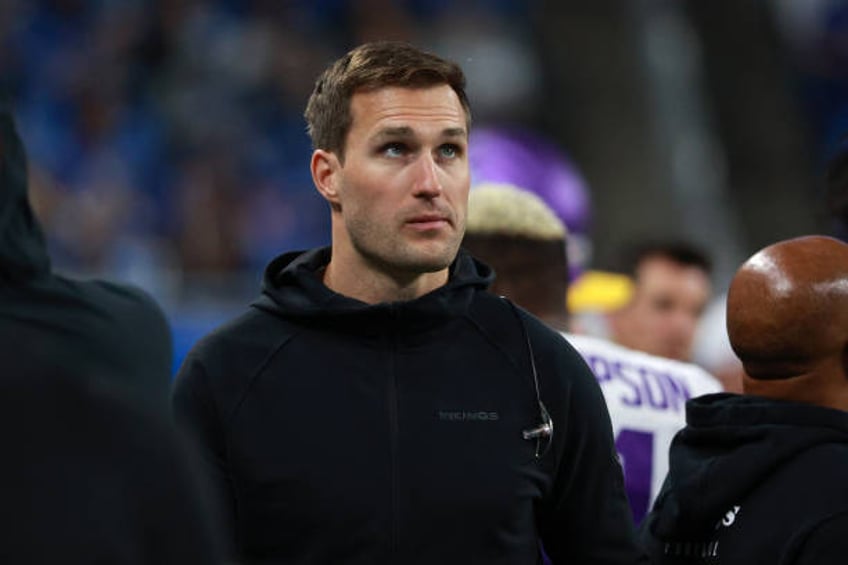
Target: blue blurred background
point(167, 146)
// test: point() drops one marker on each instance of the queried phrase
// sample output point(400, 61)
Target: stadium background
point(167, 146)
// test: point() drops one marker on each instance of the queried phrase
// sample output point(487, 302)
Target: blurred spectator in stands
point(207, 214)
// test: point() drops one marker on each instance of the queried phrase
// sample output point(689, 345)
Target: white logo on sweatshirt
point(707, 550)
point(729, 517)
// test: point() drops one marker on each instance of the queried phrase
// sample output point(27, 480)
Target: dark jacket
point(751, 481)
point(341, 432)
point(91, 475)
point(94, 328)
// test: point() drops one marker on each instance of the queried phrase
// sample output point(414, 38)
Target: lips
point(428, 218)
point(428, 221)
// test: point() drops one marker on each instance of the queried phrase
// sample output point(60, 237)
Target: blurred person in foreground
point(670, 293)
point(93, 475)
point(516, 233)
point(376, 404)
point(94, 328)
point(760, 477)
point(92, 470)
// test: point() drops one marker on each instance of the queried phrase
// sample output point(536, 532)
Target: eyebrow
point(454, 132)
point(407, 132)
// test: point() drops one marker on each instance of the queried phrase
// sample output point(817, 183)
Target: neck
point(373, 286)
point(826, 385)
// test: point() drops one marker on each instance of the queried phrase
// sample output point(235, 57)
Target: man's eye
point(663, 304)
point(393, 149)
point(449, 151)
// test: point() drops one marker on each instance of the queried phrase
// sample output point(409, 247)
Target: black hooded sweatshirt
point(98, 329)
point(91, 475)
point(342, 432)
point(754, 481)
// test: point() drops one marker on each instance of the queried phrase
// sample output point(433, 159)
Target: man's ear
point(326, 174)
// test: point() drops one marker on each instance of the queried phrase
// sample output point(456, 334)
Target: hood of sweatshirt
point(23, 253)
point(730, 445)
point(292, 288)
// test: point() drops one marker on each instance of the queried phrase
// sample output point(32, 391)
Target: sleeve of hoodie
point(825, 544)
point(586, 518)
point(198, 416)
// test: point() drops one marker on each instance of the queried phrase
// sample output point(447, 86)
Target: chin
point(430, 260)
point(427, 263)
point(678, 355)
point(430, 265)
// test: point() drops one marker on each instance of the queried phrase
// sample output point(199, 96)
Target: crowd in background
point(166, 141)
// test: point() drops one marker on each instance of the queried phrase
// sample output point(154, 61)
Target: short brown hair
point(369, 67)
point(679, 252)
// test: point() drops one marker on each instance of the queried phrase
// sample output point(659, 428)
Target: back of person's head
point(370, 67)
point(787, 319)
point(517, 234)
point(23, 254)
point(671, 290)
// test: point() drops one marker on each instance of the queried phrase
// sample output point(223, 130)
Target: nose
point(426, 182)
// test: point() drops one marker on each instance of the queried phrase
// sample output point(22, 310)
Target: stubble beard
point(400, 255)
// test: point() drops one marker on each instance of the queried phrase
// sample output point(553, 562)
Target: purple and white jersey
point(646, 397)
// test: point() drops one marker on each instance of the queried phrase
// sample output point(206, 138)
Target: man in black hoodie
point(103, 330)
point(760, 478)
point(376, 405)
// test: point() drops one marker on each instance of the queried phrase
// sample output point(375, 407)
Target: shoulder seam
point(472, 319)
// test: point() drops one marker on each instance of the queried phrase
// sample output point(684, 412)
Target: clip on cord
point(545, 430)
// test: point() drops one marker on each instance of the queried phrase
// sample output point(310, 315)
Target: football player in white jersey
point(671, 290)
point(516, 233)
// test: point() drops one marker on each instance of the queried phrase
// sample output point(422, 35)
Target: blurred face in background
point(668, 301)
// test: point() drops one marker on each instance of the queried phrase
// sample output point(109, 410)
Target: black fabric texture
point(751, 480)
point(94, 476)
